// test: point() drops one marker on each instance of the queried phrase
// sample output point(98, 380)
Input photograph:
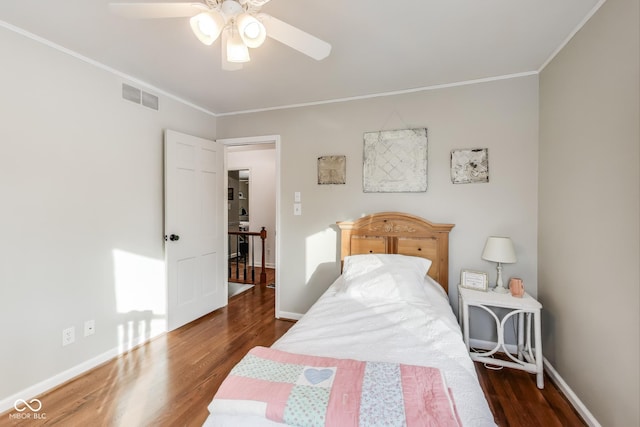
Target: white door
point(194, 233)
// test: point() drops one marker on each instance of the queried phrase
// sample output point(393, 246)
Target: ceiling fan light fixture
point(207, 26)
point(239, 23)
point(237, 51)
point(251, 30)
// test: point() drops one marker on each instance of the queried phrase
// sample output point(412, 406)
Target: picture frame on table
point(476, 280)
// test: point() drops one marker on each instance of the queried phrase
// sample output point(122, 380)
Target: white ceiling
point(378, 46)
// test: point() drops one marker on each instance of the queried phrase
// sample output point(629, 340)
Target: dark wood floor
point(515, 399)
point(171, 380)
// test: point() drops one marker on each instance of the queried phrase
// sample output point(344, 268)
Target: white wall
point(81, 179)
point(501, 116)
point(260, 159)
point(589, 242)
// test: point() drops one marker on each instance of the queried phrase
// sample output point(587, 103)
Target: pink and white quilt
point(301, 390)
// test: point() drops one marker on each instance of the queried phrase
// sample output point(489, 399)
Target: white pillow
point(432, 285)
point(385, 277)
point(356, 265)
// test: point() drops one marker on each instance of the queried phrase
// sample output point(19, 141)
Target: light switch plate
point(296, 197)
point(297, 208)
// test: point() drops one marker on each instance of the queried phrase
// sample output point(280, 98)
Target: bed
point(383, 318)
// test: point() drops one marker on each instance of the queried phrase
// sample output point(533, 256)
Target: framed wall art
point(395, 161)
point(470, 165)
point(332, 170)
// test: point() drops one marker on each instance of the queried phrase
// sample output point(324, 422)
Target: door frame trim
point(255, 140)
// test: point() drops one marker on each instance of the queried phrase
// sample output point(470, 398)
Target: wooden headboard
point(399, 233)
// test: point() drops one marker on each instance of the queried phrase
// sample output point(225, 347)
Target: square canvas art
point(332, 169)
point(395, 161)
point(470, 165)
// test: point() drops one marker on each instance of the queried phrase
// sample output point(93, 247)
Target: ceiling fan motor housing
point(231, 8)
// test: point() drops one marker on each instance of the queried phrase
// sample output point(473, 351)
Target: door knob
point(172, 237)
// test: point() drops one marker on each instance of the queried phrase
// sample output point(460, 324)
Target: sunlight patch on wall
point(320, 248)
point(141, 298)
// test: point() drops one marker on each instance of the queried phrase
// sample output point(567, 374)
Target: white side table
point(527, 309)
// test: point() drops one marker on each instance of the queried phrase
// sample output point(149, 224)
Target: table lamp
point(500, 250)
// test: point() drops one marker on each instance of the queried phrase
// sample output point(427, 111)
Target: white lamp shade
point(236, 50)
point(499, 249)
point(251, 30)
point(207, 26)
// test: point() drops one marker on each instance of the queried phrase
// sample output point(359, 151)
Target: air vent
point(133, 94)
point(149, 100)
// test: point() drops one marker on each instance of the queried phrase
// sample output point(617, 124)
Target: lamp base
point(499, 288)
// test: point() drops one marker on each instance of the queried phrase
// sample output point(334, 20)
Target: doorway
point(258, 158)
point(238, 195)
point(241, 247)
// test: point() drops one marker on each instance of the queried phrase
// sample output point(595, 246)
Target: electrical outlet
point(68, 335)
point(89, 327)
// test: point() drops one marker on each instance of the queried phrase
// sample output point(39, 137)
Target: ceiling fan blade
point(255, 3)
point(295, 38)
point(157, 10)
point(226, 65)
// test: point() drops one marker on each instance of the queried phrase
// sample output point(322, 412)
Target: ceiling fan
point(239, 24)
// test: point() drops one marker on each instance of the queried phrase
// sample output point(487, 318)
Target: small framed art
point(477, 280)
point(470, 165)
point(332, 170)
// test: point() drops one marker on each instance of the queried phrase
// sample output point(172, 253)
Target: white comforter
point(418, 334)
